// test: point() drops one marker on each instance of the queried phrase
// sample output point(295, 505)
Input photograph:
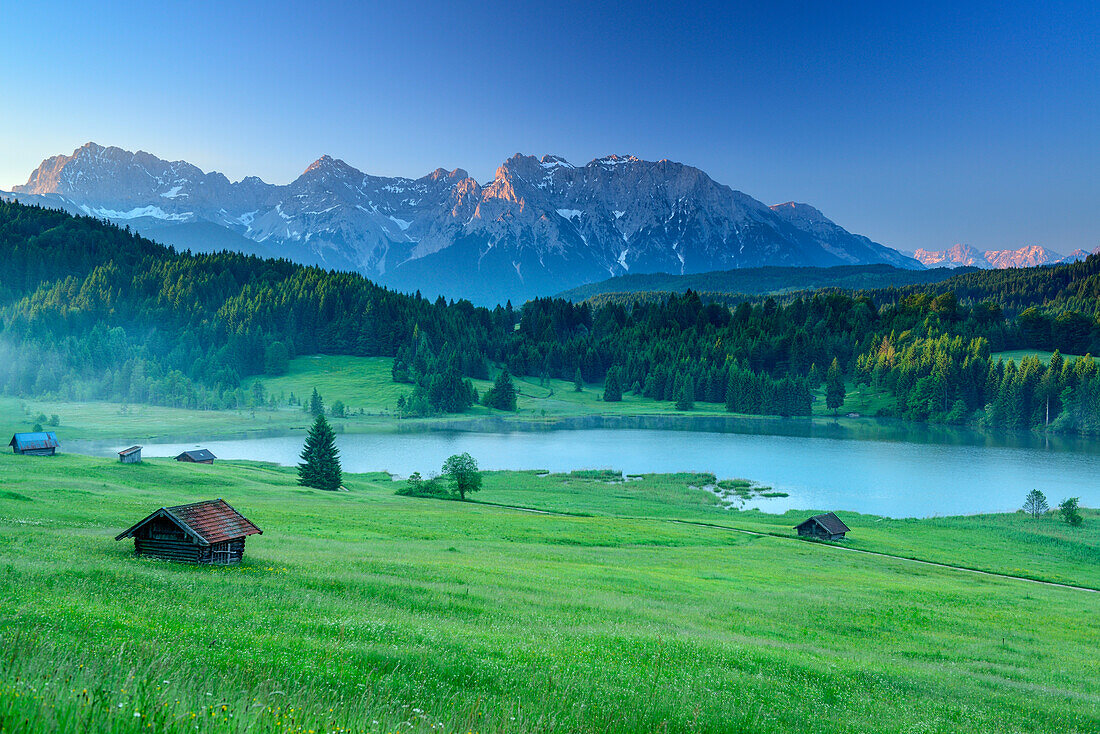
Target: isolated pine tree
point(613, 386)
point(320, 467)
point(316, 404)
point(502, 395)
point(1036, 503)
point(578, 381)
point(834, 387)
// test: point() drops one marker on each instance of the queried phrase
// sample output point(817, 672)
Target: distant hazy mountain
point(539, 227)
point(1025, 257)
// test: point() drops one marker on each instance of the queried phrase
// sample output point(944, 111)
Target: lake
point(895, 478)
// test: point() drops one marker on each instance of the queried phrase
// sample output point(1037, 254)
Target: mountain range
point(1024, 257)
point(542, 225)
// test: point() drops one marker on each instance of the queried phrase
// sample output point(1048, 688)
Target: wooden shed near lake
point(197, 456)
point(131, 455)
point(202, 532)
point(826, 526)
point(35, 444)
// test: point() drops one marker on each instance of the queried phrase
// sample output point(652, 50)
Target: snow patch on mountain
point(136, 213)
point(540, 226)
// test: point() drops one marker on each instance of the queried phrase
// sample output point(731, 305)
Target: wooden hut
point(131, 455)
point(198, 456)
point(35, 444)
point(826, 526)
point(203, 532)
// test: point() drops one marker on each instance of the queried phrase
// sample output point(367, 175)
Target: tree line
point(89, 310)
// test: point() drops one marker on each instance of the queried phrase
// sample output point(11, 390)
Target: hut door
point(220, 553)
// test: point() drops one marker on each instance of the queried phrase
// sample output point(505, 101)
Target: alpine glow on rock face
point(540, 226)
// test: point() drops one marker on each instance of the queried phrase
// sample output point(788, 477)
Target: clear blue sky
point(917, 126)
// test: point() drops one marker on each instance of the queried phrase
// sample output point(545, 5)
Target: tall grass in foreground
point(44, 689)
point(364, 611)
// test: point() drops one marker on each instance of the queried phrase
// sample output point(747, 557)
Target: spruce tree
point(276, 359)
point(815, 377)
point(613, 386)
point(502, 395)
point(320, 467)
point(316, 404)
point(686, 401)
point(834, 387)
point(578, 381)
point(737, 391)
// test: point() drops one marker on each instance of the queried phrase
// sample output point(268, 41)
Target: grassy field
point(362, 384)
point(1017, 355)
point(95, 420)
point(862, 399)
point(1015, 544)
point(365, 611)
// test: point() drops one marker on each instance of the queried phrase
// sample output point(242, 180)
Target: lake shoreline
point(862, 428)
point(815, 469)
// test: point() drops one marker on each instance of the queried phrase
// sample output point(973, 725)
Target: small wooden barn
point(131, 455)
point(202, 532)
point(198, 456)
point(826, 526)
point(35, 444)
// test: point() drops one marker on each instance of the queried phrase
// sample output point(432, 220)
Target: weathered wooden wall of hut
point(164, 539)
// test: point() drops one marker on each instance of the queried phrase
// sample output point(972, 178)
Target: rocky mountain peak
point(1028, 256)
point(327, 163)
point(554, 161)
point(442, 174)
point(540, 226)
point(793, 209)
point(615, 160)
point(526, 167)
point(1025, 257)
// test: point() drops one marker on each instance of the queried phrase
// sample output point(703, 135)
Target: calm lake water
point(965, 474)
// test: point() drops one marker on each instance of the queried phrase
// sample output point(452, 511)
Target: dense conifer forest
point(89, 310)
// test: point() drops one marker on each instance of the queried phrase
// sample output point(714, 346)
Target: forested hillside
point(1074, 287)
point(89, 310)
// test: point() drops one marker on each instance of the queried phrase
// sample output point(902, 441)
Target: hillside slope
point(432, 616)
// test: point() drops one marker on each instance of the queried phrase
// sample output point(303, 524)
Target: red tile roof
point(214, 520)
point(210, 521)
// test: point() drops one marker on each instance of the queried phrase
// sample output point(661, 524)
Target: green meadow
point(1017, 355)
point(370, 612)
point(362, 384)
